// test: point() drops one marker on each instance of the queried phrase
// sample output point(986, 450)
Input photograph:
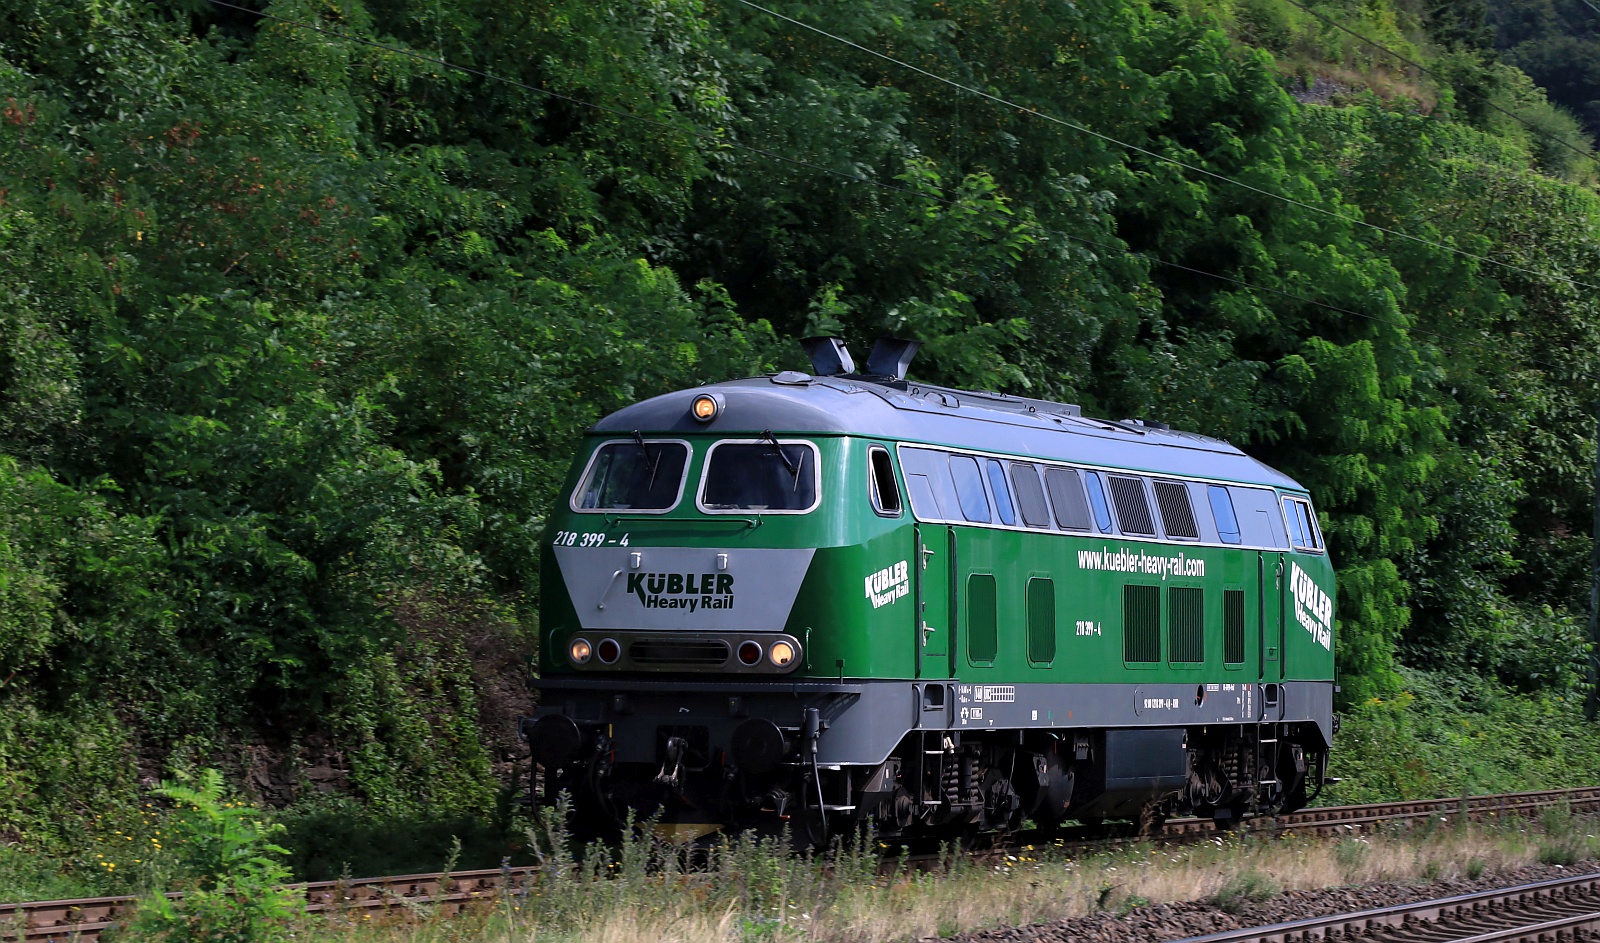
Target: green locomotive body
point(850, 598)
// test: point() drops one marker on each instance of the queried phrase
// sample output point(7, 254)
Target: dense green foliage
point(298, 328)
point(1557, 43)
point(1425, 745)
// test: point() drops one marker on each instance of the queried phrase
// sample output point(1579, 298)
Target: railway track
point(84, 919)
point(1560, 910)
point(1338, 818)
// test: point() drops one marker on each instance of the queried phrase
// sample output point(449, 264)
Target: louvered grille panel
point(1177, 516)
point(1041, 620)
point(1186, 624)
point(1233, 626)
point(983, 637)
point(1133, 508)
point(1141, 623)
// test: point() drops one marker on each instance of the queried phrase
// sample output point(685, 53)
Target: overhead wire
point(829, 171)
point(1156, 155)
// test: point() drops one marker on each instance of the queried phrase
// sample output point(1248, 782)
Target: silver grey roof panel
point(985, 422)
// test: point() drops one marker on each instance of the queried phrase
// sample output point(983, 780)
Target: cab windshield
point(760, 476)
point(634, 476)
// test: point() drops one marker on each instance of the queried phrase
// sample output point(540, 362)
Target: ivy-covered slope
point(298, 324)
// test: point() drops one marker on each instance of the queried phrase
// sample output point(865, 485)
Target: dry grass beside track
point(756, 894)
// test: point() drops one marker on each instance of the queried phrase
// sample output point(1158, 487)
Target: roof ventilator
point(829, 356)
point(890, 357)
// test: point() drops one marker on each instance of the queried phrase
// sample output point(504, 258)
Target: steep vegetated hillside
point(298, 325)
point(1557, 43)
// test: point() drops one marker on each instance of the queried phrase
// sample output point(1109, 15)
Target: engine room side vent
point(687, 652)
point(1177, 515)
point(1133, 507)
point(1141, 623)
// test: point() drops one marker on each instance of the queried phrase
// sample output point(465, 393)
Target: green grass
point(26, 875)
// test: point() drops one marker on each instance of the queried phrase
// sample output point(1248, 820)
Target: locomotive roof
point(793, 403)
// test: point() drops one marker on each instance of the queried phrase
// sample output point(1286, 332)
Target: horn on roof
point(829, 356)
point(891, 356)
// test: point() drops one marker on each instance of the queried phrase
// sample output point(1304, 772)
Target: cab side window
point(1097, 499)
point(1002, 492)
point(881, 482)
point(969, 489)
point(1222, 511)
point(1302, 524)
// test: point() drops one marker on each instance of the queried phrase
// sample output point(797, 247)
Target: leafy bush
point(1456, 735)
point(338, 836)
point(235, 894)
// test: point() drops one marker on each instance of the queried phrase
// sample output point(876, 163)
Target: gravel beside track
point(1155, 923)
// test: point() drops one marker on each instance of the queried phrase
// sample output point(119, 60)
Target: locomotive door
point(935, 623)
point(1273, 583)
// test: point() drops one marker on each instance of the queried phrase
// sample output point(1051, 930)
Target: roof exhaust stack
point(891, 356)
point(829, 356)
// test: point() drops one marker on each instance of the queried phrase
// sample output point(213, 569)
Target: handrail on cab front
point(749, 522)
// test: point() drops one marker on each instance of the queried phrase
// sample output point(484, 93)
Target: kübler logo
point(688, 591)
point(888, 584)
point(1313, 608)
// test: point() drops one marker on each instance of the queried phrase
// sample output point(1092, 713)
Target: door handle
point(926, 553)
point(926, 628)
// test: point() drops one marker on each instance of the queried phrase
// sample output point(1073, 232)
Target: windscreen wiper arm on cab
point(655, 466)
point(794, 470)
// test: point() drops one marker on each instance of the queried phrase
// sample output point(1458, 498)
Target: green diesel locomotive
point(844, 597)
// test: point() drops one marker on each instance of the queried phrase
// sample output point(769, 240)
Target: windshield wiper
point(655, 466)
point(794, 471)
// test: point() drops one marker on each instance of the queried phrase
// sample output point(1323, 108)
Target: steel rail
point(1344, 817)
point(83, 919)
point(1544, 910)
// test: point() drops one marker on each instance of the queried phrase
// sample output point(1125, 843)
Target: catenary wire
point(1084, 129)
point(1444, 341)
point(1547, 135)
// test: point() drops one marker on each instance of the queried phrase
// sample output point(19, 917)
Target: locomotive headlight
point(782, 654)
point(579, 651)
point(706, 406)
point(608, 651)
point(750, 652)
